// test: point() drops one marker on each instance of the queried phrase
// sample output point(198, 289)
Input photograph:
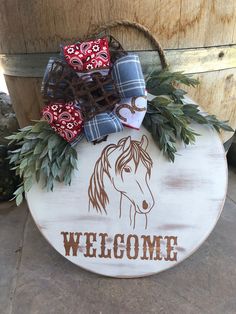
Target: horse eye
point(127, 169)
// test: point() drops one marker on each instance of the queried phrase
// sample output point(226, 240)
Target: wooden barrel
point(198, 35)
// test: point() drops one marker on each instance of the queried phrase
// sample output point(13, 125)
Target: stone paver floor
point(35, 279)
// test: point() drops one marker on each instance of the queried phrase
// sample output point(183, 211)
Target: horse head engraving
point(128, 167)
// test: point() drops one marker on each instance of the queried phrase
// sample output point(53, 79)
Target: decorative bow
point(81, 78)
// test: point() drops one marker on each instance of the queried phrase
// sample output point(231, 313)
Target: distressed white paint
point(189, 196)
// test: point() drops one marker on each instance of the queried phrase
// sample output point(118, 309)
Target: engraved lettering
point(120, 253)
point(150, 247)
point(103, 253)
point(71, 243)
point(132, 249)
point(90, 236)
point(170, 248)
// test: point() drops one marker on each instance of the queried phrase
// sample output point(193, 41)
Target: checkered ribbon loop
point(128, 76)
point(102, 125)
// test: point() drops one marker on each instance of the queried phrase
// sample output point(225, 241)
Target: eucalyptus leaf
point(19, 199)
point(40, 146)
point(38, 164)
point(54, 140)
point(26, 147)
point(23, 163)
point(54, 170)
point(28, 184)
point(44, 152)
point(39, 126)
point(37, 175)
point(45, 162)
point(13, 158)
point(31, 136)
point(11, 137)
point(25, 129)
point(50, 154)
point(19, 190)
point(73, 162)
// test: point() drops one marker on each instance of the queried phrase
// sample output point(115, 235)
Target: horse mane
point(96, 191)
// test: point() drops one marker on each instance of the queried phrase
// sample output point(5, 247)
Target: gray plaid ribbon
point(128, 76)
point(102, 125)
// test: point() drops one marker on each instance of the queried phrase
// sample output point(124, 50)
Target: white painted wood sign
point(129, 212)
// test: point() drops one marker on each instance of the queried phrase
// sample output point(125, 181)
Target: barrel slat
point(11, 30)
point(26, 98)
point(207, 23)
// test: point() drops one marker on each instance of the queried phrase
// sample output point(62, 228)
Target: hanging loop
point(108, 26)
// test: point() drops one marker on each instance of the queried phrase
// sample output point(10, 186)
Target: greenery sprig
point(170, 114)
point(43, 155)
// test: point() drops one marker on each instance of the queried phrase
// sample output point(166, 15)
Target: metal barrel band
point(188, 60)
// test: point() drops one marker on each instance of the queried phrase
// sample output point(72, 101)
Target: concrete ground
point(35, 279)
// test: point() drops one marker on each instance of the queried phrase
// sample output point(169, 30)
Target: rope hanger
point(143, 29)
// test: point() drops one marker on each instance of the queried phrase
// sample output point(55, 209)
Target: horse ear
point(125, 142)
point(144, 142)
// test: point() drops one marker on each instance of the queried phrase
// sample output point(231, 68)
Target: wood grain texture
point(26, 98)
point(41, 25)
point(181, 201)
point(207, 23)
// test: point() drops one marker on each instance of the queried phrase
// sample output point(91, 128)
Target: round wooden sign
point(129, 212)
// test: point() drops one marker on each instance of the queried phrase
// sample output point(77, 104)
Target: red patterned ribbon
point(88, 55)
point(65, 119)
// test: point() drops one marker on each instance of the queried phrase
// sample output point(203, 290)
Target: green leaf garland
point(43, 155)
point(169, 114)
